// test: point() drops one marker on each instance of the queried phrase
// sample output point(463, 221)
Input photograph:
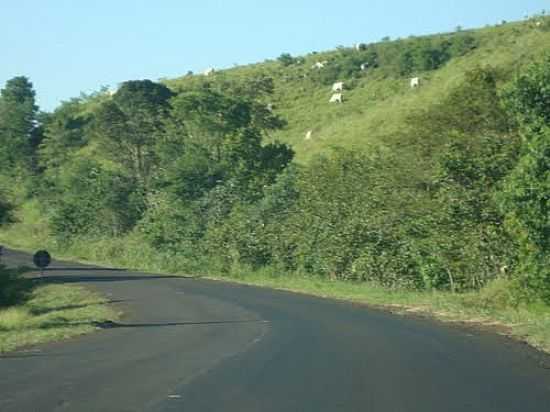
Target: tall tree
point(18, 123)
point(65, 130)
point(130, 124)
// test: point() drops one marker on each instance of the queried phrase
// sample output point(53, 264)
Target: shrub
point(286, 59)
point(13, 289)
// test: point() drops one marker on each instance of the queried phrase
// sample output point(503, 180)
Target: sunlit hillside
point(378, 101)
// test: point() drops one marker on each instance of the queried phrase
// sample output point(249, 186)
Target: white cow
point(364, 66)
point(319, 65)
point(415, 82)
point(336, 98)
point(269, 107)
point(208, 71)
point(308, 135)
point(338, 87)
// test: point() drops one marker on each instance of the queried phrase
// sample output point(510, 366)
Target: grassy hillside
point(379, 101)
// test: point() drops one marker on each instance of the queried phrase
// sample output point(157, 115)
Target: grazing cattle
point(319, 65)
point(269, 107)
point(338, 87)
point(364, 66)
point(538, 23)
point(308, 135)
point(415, 82)
point(208, 71)
point(336, 98)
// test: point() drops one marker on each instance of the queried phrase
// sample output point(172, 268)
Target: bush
point(525, 198)
point(500, 293)
point(347, 65)
point(13, 289)
point(286, 59)
point(5, 210)
point(94, 201)
point(526, 201)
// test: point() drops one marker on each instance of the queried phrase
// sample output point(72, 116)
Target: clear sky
point(69, 46)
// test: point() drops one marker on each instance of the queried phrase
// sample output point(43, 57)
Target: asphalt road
point(199, 345)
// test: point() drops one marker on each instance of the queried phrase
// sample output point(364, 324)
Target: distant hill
point(379, 101)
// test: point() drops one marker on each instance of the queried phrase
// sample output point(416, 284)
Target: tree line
point(459, 199)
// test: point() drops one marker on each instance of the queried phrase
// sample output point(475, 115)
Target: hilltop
point(378, 102)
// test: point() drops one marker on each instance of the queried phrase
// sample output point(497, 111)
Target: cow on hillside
point(319, 65)
point(338, 87)
point(336, 98)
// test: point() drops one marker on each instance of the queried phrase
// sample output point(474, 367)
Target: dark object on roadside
point(42, 259)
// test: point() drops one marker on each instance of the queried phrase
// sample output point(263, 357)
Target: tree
point(93, 201)
point(526, 198)
point(529, 98)
point(65, 131)
point(468, 238)
point(406, 63)
point(286, 59)
point(219, 133)
point(471, 109)
point(130, 124)
point(18, 123)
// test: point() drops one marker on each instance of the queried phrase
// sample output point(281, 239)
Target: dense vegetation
point(455, 198)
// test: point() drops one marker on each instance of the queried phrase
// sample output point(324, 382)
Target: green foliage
point(65, 131)
point(286, 59)
point(171, 225)
point(529, 98)
point(94, 201)
point(469, 237)
point(462, 44)
point(5, 209)
point(129, 124)
point(18, 131)
point(346, 65)
point(256, 234)
point(526, 199)
point(13, 288)
point(431, 197)
point(427, 54)
point(471, 109)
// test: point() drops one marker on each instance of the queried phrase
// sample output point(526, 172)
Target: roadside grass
point(32, 312)
point(52, 313)
point(491, 308)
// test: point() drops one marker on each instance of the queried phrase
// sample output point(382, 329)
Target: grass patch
point(51, 313)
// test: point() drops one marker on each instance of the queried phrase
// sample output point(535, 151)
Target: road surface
point(196, 345)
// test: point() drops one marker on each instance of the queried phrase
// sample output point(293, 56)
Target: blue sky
point(70, 46)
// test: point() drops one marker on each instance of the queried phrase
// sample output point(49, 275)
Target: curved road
point(199, 345)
